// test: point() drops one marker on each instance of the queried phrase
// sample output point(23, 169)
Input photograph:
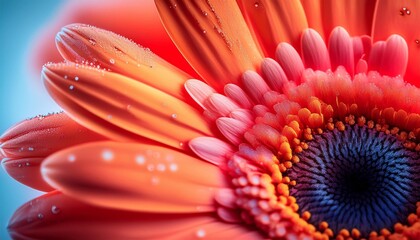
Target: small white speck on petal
point(140, 159)
point(107, 155)
point(71, 158)
point(173, 167)
point(200, 233)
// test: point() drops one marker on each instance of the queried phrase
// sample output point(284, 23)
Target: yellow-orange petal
point(27, 171)
point(56, 216)
point(43, 135)
point(354, 15)
point(402, 18)
point(213, 37)
point(100, 48)
point(121, 108)
point(136, 177)
point(273, 22)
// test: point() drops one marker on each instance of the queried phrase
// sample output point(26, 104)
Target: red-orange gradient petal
point(402, 18)
point(134, 177)
point(121, 108)
point(273, 22)
point(136, 20)
point(213, 37)
point(56, 216)
point(44, 135)
point(27, 171)
point(107, 50)
point(354, 15)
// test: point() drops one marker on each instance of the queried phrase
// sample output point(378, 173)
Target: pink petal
point(314, 52)
point(211, 149)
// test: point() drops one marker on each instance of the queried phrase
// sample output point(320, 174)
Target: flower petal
point(86, 44)
point(211, 34)
point(121, 108)
point(340, 46)
point(44, 135)
point(273, 22)
point(314, 52)
point(135, 177)
point(26, 144)
point(27, 171)
point(128, 23)
point(56, 216)
point(402, 18)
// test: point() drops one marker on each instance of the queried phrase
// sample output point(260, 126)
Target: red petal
point(121, 108)
point(134, 177)
point(132, 19)
point(211, 34)
point(55, 216)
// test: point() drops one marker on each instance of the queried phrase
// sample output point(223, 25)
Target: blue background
point(21, 96)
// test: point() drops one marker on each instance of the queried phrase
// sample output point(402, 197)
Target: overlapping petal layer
point(133, 176)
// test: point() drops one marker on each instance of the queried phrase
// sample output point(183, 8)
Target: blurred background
point(21, 93)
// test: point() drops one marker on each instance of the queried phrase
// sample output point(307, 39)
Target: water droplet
point(65, 77)
point(112, 61)
point(173, 167)
point(109, 116)
point(55, 209)
point(204, 31)
point(107, 155)
point(71, 87)
point(19, 165)
point(27, 164)
point(128, 107)
point(76, 78)
point(417, 41)
point(205, 13)
point(40, 216)
point(71, 158)
point(174, 116)
point(181, 144)
point(200, 233)
point(405, 11)
point(30, 149)
point(256, 4)
point(140, 159)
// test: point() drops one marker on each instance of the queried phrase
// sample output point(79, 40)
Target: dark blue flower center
point(357, 178)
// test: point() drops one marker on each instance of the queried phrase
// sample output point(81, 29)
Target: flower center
point(357, 178)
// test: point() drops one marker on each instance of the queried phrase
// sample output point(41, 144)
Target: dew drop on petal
point(30, 149)
point(40, 216)
point(140, 159)
point(417, 41)
point(92, 41)
point(27, 164)
point(173, 167)
point(201, 233)
point(256, 4)
point(71, 87)
point(65, 77)
point(112, 61)
point(71, 158)
point(161, 167)
point(76, 78)
point(174, 116)
point(55, 209)
point(107, 155)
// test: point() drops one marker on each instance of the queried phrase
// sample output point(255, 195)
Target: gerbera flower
point(300, 129)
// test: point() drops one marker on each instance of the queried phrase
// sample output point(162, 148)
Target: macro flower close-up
point(224, 120)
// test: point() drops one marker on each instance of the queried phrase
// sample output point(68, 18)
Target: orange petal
point(213, 37)
point(354, 15)
point(44, 135)
point(27, 171)
point(135, 177)
point(136, 20)
point(96, 47)
point(273, 22)
point(121, 108)
point(55, 216)
point(402, 18)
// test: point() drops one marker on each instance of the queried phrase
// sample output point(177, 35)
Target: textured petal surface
point(273, 22)
point(354, 15)
point(136, 20)
point(27, 171)
point(402, 18)
point(107, 50)
point(134, 177)
point(26, 144)
point(121, 108)
point(44, 135)
point(210, 34)
point(55, 216)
